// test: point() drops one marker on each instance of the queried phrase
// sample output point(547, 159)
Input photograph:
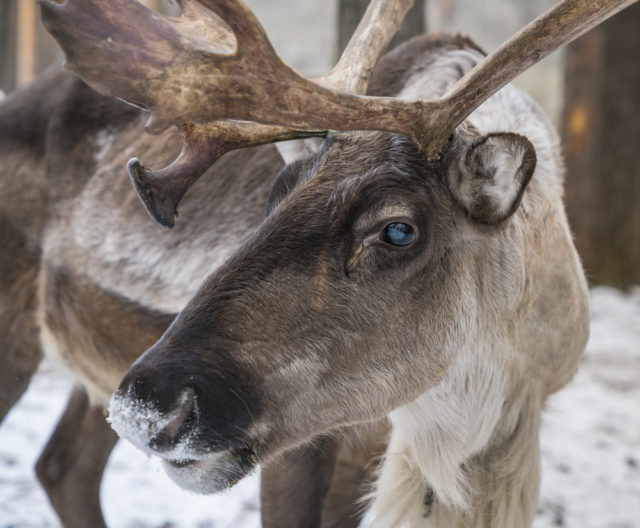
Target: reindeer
point(414, 272)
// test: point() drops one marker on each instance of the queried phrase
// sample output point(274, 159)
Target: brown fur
point(70, 304)
point(411, 58)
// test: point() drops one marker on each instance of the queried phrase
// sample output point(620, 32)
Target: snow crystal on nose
point(135, 420)
point(140, 422)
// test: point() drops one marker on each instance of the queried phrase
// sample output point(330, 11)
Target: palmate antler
point(217, 81)
point(214, 74)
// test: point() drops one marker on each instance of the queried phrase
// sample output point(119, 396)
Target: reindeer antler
point(161, 190)
point(225, 80)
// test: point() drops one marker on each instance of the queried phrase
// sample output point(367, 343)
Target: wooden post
point(8, 40)
point(601, 133)
point(26, 67)
point(350, 12)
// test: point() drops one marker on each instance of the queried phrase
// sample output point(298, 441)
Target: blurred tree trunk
point(8, 39)
point(350, 12)
point(601, 132)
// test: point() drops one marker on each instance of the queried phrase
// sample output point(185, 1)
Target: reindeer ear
point(491, 175)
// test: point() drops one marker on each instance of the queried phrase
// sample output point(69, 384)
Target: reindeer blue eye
point(398, 234)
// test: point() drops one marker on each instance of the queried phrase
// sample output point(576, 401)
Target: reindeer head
point(345, 304)
point(353, 297)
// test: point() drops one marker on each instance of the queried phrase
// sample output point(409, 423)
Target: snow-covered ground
point(591, 438)
point(590, 447)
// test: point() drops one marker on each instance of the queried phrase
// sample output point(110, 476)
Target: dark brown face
point(344, 305)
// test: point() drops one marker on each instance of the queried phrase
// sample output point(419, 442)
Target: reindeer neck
point(495, 488)
point(503, 483)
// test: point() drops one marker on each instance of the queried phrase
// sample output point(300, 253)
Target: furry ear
point(491, 175)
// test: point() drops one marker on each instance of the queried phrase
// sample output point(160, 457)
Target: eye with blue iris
point(399, 234)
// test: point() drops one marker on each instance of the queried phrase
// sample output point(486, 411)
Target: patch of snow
point(136, 491)
point(591, 433)
point(590, 449)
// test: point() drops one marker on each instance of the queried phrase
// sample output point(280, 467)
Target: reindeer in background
point(415, 265)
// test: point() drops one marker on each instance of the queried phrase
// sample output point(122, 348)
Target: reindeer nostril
point(161, 442)
point(136, 387)
point(178, 423)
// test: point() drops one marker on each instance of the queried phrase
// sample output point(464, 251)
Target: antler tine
point(96, 36)
point(378, 26)
point(560, 25)
point(244, 24)
point(162, 190)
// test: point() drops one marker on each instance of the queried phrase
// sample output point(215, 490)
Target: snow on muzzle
point(195, 417)
point(175, 437)
point(153, 432)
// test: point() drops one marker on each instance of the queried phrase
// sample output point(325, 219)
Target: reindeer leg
point(71, 465)
point(20, 351)
point(321, 484)
point(356, 461)
point(294, 487)
point(15, 371)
